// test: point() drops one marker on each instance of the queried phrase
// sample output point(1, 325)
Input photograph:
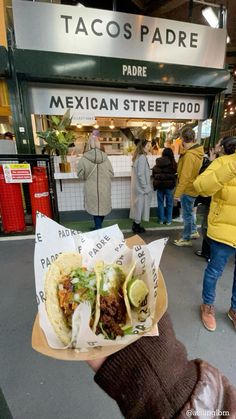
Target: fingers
point(95, 364)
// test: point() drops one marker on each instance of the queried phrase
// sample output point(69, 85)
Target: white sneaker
point(195, 235)
point(178, 220)
point(183, 243)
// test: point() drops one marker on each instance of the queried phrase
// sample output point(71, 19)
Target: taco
point(114, 306)
point(67, 284)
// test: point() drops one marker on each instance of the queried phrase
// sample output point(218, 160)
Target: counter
point(70, 193)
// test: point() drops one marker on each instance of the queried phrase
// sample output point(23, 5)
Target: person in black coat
point(164, 180)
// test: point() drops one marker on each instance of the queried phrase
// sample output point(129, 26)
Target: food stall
point(124, 74)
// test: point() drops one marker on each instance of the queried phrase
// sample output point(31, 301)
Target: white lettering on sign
point(54, 100)
point(134, 70)
point(105, 33)
point(17, 173)
point(41, 194)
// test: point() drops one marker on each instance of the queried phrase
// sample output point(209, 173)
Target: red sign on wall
point(17, 173)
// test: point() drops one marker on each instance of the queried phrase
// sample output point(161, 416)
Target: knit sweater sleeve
point(150, 378)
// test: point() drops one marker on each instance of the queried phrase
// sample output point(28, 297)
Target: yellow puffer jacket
point(219, 182)
point(188, 168)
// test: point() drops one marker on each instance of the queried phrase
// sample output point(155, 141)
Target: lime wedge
point(137, 291)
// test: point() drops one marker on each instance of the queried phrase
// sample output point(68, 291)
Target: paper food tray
point(39, 342)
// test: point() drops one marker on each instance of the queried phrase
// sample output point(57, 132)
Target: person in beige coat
point(141, 189)
point(96, 169)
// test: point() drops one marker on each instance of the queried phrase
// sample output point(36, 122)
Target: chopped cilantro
point(85, 285)
point(127, 330)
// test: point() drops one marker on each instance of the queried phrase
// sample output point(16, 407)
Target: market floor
point(43, 388)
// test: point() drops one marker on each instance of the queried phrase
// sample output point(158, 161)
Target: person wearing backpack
point(219, 182)
point(204, 202)
point(164, 180)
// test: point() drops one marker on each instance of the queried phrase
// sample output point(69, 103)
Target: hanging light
point(79, 125)
point(112, 126)
point(96, 125)
point(144, 126)
point(210, 17)
point(166, 124)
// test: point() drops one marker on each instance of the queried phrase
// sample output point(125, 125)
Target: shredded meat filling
point(113, 314)
point(66, 299)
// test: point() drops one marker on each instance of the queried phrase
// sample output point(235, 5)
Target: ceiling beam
point(168, 7)
point(139, 3)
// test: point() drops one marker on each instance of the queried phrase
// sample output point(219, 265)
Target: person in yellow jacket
point(188, 169)
point(219, 182)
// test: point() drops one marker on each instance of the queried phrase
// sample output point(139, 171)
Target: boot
point(232, 316)
point(137, 228)
point(208, 317)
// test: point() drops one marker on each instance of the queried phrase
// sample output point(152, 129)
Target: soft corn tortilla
point(125, 292)
point(62, 267)
point(99, 268)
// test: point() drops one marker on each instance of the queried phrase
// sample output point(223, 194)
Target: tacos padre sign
point(80, 30)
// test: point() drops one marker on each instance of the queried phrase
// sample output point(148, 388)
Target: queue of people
point(139, 377)
point(215, 182)
point(183, 182)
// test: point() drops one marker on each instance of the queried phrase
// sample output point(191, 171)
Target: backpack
point(206, 162)
point(204, 200)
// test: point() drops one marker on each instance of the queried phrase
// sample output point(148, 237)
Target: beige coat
point(141, 190)
point(96, 169)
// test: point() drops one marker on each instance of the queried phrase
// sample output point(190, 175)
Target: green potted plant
point(162, 139)
point(58, 138)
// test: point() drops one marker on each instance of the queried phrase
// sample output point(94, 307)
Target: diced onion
point(77, 298)
point(91, 282)
point(75, 280)
point(60, 287)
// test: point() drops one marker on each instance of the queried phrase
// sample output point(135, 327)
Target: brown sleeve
point(150, 378)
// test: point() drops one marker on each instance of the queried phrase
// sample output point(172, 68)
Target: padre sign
point(81, 30)
point(45, 99)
